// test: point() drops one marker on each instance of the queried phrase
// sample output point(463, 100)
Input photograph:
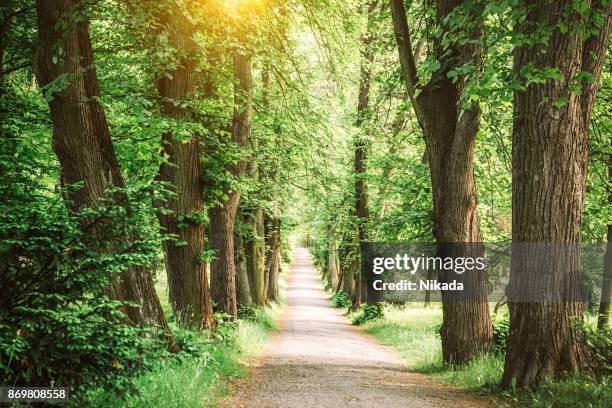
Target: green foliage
point(56, 323)
point(412, 331)
point(246, 312)
point(501, 329)
point(368, 313)
point(599, 345)
point(340, 300)
point(55, 317)
point(56, 263)
point(567, 392)
point(198, 375)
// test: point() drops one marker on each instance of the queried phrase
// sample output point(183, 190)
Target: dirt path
point(319, 360)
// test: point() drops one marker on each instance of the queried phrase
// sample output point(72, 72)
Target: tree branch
point(402, 35)
point(593, 55)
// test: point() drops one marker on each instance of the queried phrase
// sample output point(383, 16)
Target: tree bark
point(450, 137)
point(273, 262)
point(222, 217)
point(255, 246)
point(549, 162)
point(255, 255)
point(606, 288)
point(223, 266)
point(189, 293)
point(345, 270)
point(332, 263)
point(82, 140)
point(361, 188)
point(243, 289)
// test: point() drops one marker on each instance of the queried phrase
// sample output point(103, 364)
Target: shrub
point(340, 299)
point(369, 313)
point(501, 329)
point(56, 323)
point(247, 312)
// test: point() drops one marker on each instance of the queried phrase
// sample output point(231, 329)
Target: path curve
point(318, 359)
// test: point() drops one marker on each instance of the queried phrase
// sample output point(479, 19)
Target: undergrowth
point(197, 376)
point(413, 332)
point(340, 300)
point(368, 313)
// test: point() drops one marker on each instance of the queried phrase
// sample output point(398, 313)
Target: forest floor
point(317, 359)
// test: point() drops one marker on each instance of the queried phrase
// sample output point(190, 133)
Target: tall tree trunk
point(255, 255)
point(255, 247)
point(81, 137)
point(243, 288)
point(359, 163)
point(222, 217)
point(450, 136)
point(606, 287)
point(332, 264)
point(189, 293)
point(345, 270)
point(347, 281)
point(549, 162)
point(273, 262)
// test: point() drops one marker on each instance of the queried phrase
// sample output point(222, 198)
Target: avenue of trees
point(482, 122)
point(181, 141)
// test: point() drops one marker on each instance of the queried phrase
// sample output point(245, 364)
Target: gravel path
point(319, 360)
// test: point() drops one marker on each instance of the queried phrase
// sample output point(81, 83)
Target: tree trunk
point(450, 136)
point(255, 255)
point(223, 265)
point(359, 163)
point(347, 281)
point(81, 137)
point(189, 293)
point(345, 270)
point(243, 289)
point(549, 162)
point(274, 256)
point(340, 282)
point(606, 287)
point(222, 217)
point(332, 264)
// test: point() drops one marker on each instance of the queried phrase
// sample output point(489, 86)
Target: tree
point(606, 287)
point(253, 216)
point(361, 189)
point(65, 68)
point(255, 254)
point(243, 287)
point(222, 217)
point(274, 259)
point(549, 169)
point(189, 293)
point(450, 132)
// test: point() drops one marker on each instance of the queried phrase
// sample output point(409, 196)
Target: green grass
point(198, 380)
point(199, 376)
point(412, 331)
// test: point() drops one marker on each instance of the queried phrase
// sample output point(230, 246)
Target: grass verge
point(199, 375)
point(199, 378)
point(412, 331)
